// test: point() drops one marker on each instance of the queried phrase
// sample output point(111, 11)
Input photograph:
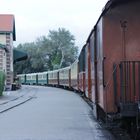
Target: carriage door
point(88, 72)
point(99, 65)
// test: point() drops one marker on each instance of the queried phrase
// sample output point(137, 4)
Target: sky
point(34, 18)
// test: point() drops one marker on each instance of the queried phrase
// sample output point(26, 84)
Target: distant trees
point(55, 51)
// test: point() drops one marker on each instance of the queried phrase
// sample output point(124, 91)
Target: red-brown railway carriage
point(81, 71)
point(74, 75)
point(88, 72)
point(53, 77)
point(64, 77)
point(108, 68)
point(114, 46)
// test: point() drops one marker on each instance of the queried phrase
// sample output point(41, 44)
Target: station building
point(7, 36)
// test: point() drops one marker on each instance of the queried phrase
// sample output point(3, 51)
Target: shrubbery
point(2, 82)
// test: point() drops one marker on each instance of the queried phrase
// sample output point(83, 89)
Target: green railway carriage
point(22, 78)
point(31, 79)
point(42, 78)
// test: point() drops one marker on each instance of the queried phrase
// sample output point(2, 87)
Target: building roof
point(19, 55)
point(7, 24)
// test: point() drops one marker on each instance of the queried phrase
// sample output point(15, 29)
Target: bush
point(2, 82)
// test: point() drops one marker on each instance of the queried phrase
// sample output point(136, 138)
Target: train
point(107, 71)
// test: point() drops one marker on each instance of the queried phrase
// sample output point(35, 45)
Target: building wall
point(3, 53)
point(3, 60)
point(3, 39)
point(6, 58)
point(9, 60)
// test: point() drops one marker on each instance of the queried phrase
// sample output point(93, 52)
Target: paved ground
point(48, 114)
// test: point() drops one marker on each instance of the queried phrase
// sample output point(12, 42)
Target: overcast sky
point(35, 18)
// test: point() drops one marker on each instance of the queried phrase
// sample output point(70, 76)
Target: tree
point(55, 51)
point(34, 63)
point(63, 44)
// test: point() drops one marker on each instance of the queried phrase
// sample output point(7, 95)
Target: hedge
point(2, 82)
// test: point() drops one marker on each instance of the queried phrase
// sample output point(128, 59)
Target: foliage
point(55, 51)
point(2, 82)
